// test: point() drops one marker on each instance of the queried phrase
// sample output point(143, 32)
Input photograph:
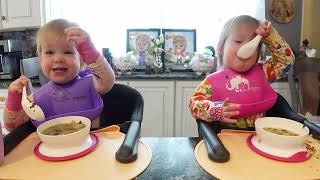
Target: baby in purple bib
point(64, 50)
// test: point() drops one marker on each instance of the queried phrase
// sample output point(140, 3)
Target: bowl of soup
point(64, 132)
point(281, 133)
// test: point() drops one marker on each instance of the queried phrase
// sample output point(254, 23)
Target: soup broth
point(64, 128)
point(280, 131)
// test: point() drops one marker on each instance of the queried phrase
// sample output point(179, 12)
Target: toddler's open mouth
point(59, 69)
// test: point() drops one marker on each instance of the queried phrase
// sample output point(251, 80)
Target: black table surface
point(173, 158)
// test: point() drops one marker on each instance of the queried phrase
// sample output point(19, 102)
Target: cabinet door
point(185, 124)
point(20, 13)
point(158, 119)
point(283, 89)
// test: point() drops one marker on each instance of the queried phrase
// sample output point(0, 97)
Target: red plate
point(297, 157)
point(94, 140)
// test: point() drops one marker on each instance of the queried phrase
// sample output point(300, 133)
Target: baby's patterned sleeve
point(201, 106)
point(282, 56)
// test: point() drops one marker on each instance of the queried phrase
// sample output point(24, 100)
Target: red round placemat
point(297, 157)
point(94, 140)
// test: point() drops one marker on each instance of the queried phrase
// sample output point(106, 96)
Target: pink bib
point(250, 89)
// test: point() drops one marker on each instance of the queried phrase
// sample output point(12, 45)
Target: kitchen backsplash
point(27, 38)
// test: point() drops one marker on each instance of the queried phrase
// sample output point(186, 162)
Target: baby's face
point(242, 34)
point(59, 59)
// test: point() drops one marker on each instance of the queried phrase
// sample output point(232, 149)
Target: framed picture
point(179, 47)
point(140, 42)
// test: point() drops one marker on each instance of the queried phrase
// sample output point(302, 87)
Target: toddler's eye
point(69, 52)
point(237, 41)
point(48, 52)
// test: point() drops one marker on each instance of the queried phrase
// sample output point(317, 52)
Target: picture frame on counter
point(179, 47)
point(139, 41)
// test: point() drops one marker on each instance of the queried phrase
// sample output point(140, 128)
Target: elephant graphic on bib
point(238, 84)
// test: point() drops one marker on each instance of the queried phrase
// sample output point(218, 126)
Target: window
point(107, 21)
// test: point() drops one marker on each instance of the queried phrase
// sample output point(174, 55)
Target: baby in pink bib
point(240, 93)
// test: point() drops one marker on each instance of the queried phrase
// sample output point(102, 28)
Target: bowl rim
point(88, 124)
point(306, 130)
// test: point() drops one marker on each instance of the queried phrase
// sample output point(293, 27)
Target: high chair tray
point(22, 163)
point(246, 164)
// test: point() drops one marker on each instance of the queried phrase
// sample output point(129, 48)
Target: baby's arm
point(13, 114)
point(104, 75)
point(282, 56)
point(202, 107)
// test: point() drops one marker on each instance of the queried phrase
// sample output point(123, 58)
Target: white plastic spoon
point(248, 49)
point(30, 107)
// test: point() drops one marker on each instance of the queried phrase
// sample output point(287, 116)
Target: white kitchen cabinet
point(283, 88)
point(17, 14)
point(158, 115)
point(185, 124)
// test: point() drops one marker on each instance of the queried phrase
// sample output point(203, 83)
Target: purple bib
point(76, 98)
point(250, 89)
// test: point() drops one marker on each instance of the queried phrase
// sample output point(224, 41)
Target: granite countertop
point(163, 76)
point(191, 76)
point(133, 76)
point(4, 84)
point(173, 158)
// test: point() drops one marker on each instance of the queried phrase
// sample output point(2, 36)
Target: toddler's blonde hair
point(56, 27)
point(229, 28)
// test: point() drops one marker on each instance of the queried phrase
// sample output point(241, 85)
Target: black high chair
point(216, 150)
point(123, 106)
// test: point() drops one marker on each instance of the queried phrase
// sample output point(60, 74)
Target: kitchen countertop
point(4, 84)
point(163, 76)
point(191, 76)
point(133, 76)
point(173, 158)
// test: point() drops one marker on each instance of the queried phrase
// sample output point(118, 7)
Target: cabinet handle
point(3, 18)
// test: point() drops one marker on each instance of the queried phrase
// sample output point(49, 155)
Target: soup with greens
point(64, 128)
point(280, 131)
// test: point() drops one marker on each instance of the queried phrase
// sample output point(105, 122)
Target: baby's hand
point(84, 45)
point(17, 85)
point(13, 102)
point(229, 110)
point(263, 29)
